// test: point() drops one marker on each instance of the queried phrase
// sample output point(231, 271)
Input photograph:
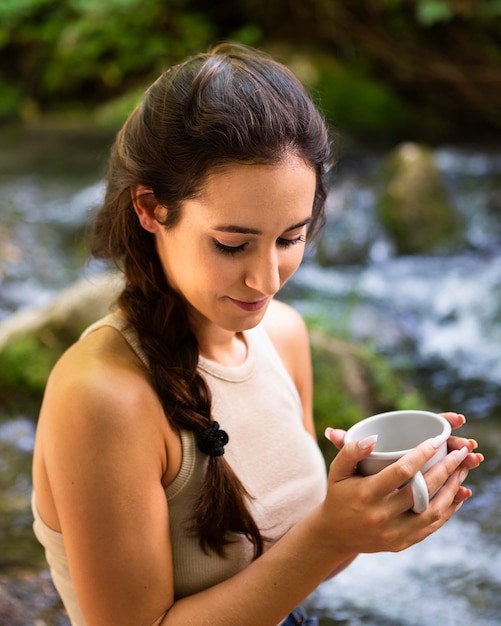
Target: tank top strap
point(116, 321)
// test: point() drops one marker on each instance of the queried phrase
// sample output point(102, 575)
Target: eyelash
point(232, 250)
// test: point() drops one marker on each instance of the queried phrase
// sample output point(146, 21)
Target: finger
point(456, 443)
point(400, 472)
point(345, 463)
point(473, 459)
point(437, 475)
point(456, 420)
point(335, 436)
point(452, 493)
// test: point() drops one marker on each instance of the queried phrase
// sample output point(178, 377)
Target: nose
point(263, 273)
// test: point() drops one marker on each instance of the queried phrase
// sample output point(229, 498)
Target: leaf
point(429, 12)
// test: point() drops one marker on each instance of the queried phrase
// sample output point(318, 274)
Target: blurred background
point(401, 293)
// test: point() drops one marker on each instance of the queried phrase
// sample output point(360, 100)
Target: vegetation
point(383, 68)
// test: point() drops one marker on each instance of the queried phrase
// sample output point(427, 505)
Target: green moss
point(351, 382)
point(357, 102)
point(25, 364)
point(414, 206)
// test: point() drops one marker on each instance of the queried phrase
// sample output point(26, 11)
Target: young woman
point(176, 476)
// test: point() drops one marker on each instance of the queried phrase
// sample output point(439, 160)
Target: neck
point(231, 352)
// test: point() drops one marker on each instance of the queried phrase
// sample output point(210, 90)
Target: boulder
point(414, 206)
point(32, 339)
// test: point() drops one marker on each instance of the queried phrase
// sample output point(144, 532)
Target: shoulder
point(285, 326)
point(288, 333)
point(98, 389)
point(99, 364)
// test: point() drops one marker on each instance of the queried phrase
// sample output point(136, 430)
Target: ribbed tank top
point(278, 462)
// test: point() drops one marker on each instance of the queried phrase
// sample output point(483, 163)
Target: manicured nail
point(474, 444)
point(327, 433)
point(461, 454)
point(363, 444)
point(462, 476)
point(436, 442)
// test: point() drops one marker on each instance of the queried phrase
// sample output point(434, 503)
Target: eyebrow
point(230, 228)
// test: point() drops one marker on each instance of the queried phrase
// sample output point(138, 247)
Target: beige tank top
point(278, 462)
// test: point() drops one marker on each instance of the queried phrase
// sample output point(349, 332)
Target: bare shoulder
point(285, 326)
point(288, 332)
point(100, 392)
point(98, 369)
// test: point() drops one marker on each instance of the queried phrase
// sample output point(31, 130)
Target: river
point(437, 315)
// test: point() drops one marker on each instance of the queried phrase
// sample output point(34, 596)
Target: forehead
point(286, 186)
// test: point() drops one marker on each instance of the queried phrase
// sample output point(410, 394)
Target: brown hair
point(231, 105)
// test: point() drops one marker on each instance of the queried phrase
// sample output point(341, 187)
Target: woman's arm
point(104, 438)
point(360, 514)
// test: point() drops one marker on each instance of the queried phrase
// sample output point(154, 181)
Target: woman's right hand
point(372, 513)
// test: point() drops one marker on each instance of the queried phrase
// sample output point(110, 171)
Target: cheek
point(214, 271)
point(290, 263)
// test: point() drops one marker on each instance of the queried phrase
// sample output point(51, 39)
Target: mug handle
point(419, 493)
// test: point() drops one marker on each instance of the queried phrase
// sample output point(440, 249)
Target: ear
point(145, 206)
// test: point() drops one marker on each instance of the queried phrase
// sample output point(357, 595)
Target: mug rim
point(375, 455)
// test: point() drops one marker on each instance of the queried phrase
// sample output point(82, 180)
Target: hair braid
point(172, 351)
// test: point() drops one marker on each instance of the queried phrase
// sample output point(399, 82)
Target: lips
point(257, 305)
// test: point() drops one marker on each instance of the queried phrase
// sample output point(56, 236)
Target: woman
point(176, 475)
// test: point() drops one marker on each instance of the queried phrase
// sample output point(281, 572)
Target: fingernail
point(474, 444)
point(462, 476)
point(363, 444)
point(461, 454)
point(436, 442)
point(327, 433)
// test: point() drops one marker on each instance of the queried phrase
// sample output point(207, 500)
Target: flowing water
point(439, 316)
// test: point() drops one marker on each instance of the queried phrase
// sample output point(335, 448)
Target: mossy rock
point(414, 206)
point(32, 340)
point(352, 382)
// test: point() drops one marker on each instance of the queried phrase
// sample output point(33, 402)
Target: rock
point(351, 382)
point(32, 339)
point(72, 310)
point(414, 206)
point(28, 597)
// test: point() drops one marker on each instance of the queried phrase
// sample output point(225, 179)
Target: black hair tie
point(212, 440)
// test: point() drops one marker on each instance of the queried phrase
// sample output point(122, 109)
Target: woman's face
point(238, 242)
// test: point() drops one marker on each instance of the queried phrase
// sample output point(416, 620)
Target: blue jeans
point(298, 616)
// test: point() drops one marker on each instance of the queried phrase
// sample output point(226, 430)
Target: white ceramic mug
point(398, 433)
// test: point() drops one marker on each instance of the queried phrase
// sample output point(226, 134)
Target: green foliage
point(356, 102)
point(79, 54)
point(10, 100)
point(87, 50)
point(25, 364)
point(429, 12)
point(352, 381)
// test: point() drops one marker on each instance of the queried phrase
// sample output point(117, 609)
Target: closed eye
point(231, 250)
point(285, 243)
point(281, 242)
